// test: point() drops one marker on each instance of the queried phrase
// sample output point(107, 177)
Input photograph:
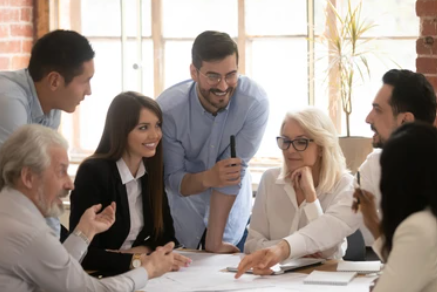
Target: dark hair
point(212, 46)
point(63, 51)
point(122, 117)
point(408, 176)
point(413, 93)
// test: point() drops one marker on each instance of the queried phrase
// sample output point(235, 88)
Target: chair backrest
point(356, 247)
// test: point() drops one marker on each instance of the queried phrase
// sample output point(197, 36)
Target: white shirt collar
point(281, 180)
point(126, 175)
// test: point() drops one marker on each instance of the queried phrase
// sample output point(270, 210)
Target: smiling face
point(215, 96)
point(297, 159)
point(146, 135)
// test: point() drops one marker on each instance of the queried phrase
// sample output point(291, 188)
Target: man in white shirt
point(33, 179)
point(404, 97)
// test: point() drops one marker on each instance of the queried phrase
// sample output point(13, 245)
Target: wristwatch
point(81, 235)
point(136, 261)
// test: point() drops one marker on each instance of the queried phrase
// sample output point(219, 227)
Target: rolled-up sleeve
point(313, 210)
point(248, 140)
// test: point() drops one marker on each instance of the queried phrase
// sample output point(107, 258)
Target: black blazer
point(98, 182)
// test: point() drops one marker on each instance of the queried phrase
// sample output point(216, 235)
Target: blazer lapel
point(123, 207)
point(147, 215)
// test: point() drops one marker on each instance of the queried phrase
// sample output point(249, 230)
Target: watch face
point(136, 263)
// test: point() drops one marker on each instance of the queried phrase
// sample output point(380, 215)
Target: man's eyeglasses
point(214, 79)
point(299, 144)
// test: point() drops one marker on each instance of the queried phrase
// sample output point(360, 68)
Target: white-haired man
point(33, 180)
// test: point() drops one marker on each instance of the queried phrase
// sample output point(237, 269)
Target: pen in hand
point(357, 194)
point(359, 185)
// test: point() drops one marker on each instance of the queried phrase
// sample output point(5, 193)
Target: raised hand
point(226, 172)
point(302, 179)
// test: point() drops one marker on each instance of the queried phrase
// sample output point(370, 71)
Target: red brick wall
point(426, 45)
point(16, 33)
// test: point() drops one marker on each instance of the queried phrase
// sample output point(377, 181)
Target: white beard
point(54, 210)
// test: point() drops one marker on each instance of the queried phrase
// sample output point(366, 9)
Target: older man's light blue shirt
point(19, 105)
point(194, 141)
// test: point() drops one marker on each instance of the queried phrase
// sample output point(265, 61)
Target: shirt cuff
point(229, 190)
point(139, 276)
point(76, 247)
point(313, 210)
point(297, 245)
point(377, 247)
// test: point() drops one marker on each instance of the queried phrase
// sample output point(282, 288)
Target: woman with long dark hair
point(407, 234)
point(126, 168)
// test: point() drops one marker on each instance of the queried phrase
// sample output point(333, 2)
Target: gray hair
point(320, 128)
point(28, 146)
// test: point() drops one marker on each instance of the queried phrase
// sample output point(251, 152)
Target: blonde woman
point(304, 207)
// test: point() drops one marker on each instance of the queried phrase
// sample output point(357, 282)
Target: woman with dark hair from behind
point(126, 168)
point(407, 235)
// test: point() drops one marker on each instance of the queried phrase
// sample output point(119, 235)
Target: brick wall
point(426, 45)
point(16, 33)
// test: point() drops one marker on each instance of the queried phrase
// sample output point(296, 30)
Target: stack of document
point(329, 278)
point(369, 267)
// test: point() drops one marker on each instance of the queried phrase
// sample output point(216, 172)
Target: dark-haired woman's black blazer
point(98, 182)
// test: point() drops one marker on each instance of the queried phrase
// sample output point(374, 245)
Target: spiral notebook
point(329, 278)
point(367, 267)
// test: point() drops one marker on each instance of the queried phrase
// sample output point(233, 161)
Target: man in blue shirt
point(57, 79)
point(209, 193)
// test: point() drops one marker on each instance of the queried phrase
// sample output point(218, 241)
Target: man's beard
point(55, 210)
point(207, 96)
point(378, 144)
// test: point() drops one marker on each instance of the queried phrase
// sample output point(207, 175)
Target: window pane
point(280, 67)
point(131, 17)
point(148, 69)
point(403, 52)
point(319, 17)
point(106, 84)
point(276, 17)
point(392, 17)
point(110, 24)
point(177, 62)
point(134, 65)
point(188, 18)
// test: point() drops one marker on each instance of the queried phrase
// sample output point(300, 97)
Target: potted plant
point(347, 66)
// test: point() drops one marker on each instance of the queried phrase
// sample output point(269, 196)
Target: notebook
point(329, 278)
point(359, 267)
point(287, 266)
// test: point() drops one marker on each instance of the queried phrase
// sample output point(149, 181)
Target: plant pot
point(355, 150)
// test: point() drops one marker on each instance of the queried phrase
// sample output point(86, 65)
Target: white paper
point(207, 274)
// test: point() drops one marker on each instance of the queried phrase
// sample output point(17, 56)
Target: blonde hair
point(320, 128)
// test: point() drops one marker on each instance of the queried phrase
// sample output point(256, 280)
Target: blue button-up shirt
point(19, 105)
point(194, 141)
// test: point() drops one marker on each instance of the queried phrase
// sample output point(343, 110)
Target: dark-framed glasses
point(214, 79)
point(299, 144)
